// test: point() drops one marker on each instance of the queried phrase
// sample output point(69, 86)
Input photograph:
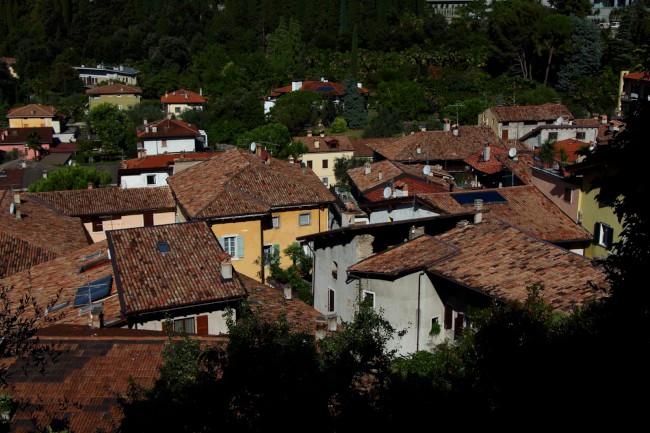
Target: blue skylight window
point(90, 292)
point(325, 88)
point(486, 196)
point(163, 247)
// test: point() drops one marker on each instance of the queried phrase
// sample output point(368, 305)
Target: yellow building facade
point(122, 102)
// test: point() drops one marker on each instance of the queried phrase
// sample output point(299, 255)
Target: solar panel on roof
point(324, 88)
point(486, 196)
point(90, 292)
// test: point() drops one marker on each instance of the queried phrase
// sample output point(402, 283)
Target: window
point(330, 300)
point(164, 143)
point(148, 219)
point(185, 325)
point(325, 163)
point(151, 179)
point(230, 245)
point(449, 316)
point(325, 181)
point(368, 297)
point(304, 219)
point(276, 222)
point(163, 247)
point(269, 253)
point(604, 235)
point(581, 135)
point(98, 225)
point(177, 109)
point(504, 134)
point(310, 164)
point(233, 245)
point(568, 195)
point(552, 136)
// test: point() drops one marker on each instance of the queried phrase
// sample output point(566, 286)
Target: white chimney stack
point(288, 293)
point(367, 168)
point(486, 152)
point(478, 216)
point(226, 267)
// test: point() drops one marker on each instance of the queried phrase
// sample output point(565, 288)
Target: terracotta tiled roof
point(115, 89)
point(521, 166)
point(361, 149)
point(40, 234)
point(324, 87)
point(638, 76)
point(520, 113)
point(107, 201)
point(188, 274)
point(32, 110)
point(21, 135)
point(570, 147)
point(492, 165)
point(327, 143)
point(393, 171)
point(168, 128)
point(62, 277)
point(11, 178)
point(236, 182)
point(269, 304)
point(502, 261)
point(438, 145)
point(591, 122)
point(182, 96)
point(164, 160)
point(525, 207)
point(93, 368)
point(411, 256)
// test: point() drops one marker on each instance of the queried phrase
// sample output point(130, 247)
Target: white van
point(615, 24)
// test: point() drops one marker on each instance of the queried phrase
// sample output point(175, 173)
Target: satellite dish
point(512, 152)
point(11, 208)
point(388, 192)
point(559, 120)
point(253, 146)
point(426, 170)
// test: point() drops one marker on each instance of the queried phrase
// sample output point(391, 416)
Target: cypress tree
point(354, 107)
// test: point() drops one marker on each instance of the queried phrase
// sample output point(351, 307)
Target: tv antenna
point(457, 105)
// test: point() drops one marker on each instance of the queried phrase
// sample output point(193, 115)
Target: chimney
point(359, 85)
point(321, 327)
point(97, 317)
point(201, 91)
point(288, 294)
point(367, 168)
point(309, 133)
point(364, 246)
point(414, 232)
point(16, 198)
point(154, 129)
point(379, 175)
point(144, 121)
point(486, 152)
point(90, 185)
point(18, 214)
point(454, 130)
point(418, 149)
point(291, 159)
point(478, 216)
point(447, 125)
point(603, 119)
point(331, 322)
point(322, 133)
point(44, 174)
point(226, 267)
point(317, 144)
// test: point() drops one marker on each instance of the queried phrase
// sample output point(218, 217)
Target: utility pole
point(457, 105)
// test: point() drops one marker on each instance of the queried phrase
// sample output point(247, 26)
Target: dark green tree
point(34, 144)
point(71, 177)
point(296, 110)
point(578, 8)
point(385, 123)
point(341, 167)
point(355, 112)
point(113, 127)
point(584, 56)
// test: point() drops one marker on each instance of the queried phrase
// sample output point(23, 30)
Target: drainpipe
point(417, 333)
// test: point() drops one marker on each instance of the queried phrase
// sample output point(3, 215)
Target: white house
point(169, 136)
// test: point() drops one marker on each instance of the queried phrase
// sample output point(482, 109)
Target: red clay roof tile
point(188, 274)
point(107, 201)
point(32, 110)
point(521, 113)
point(182, 96)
